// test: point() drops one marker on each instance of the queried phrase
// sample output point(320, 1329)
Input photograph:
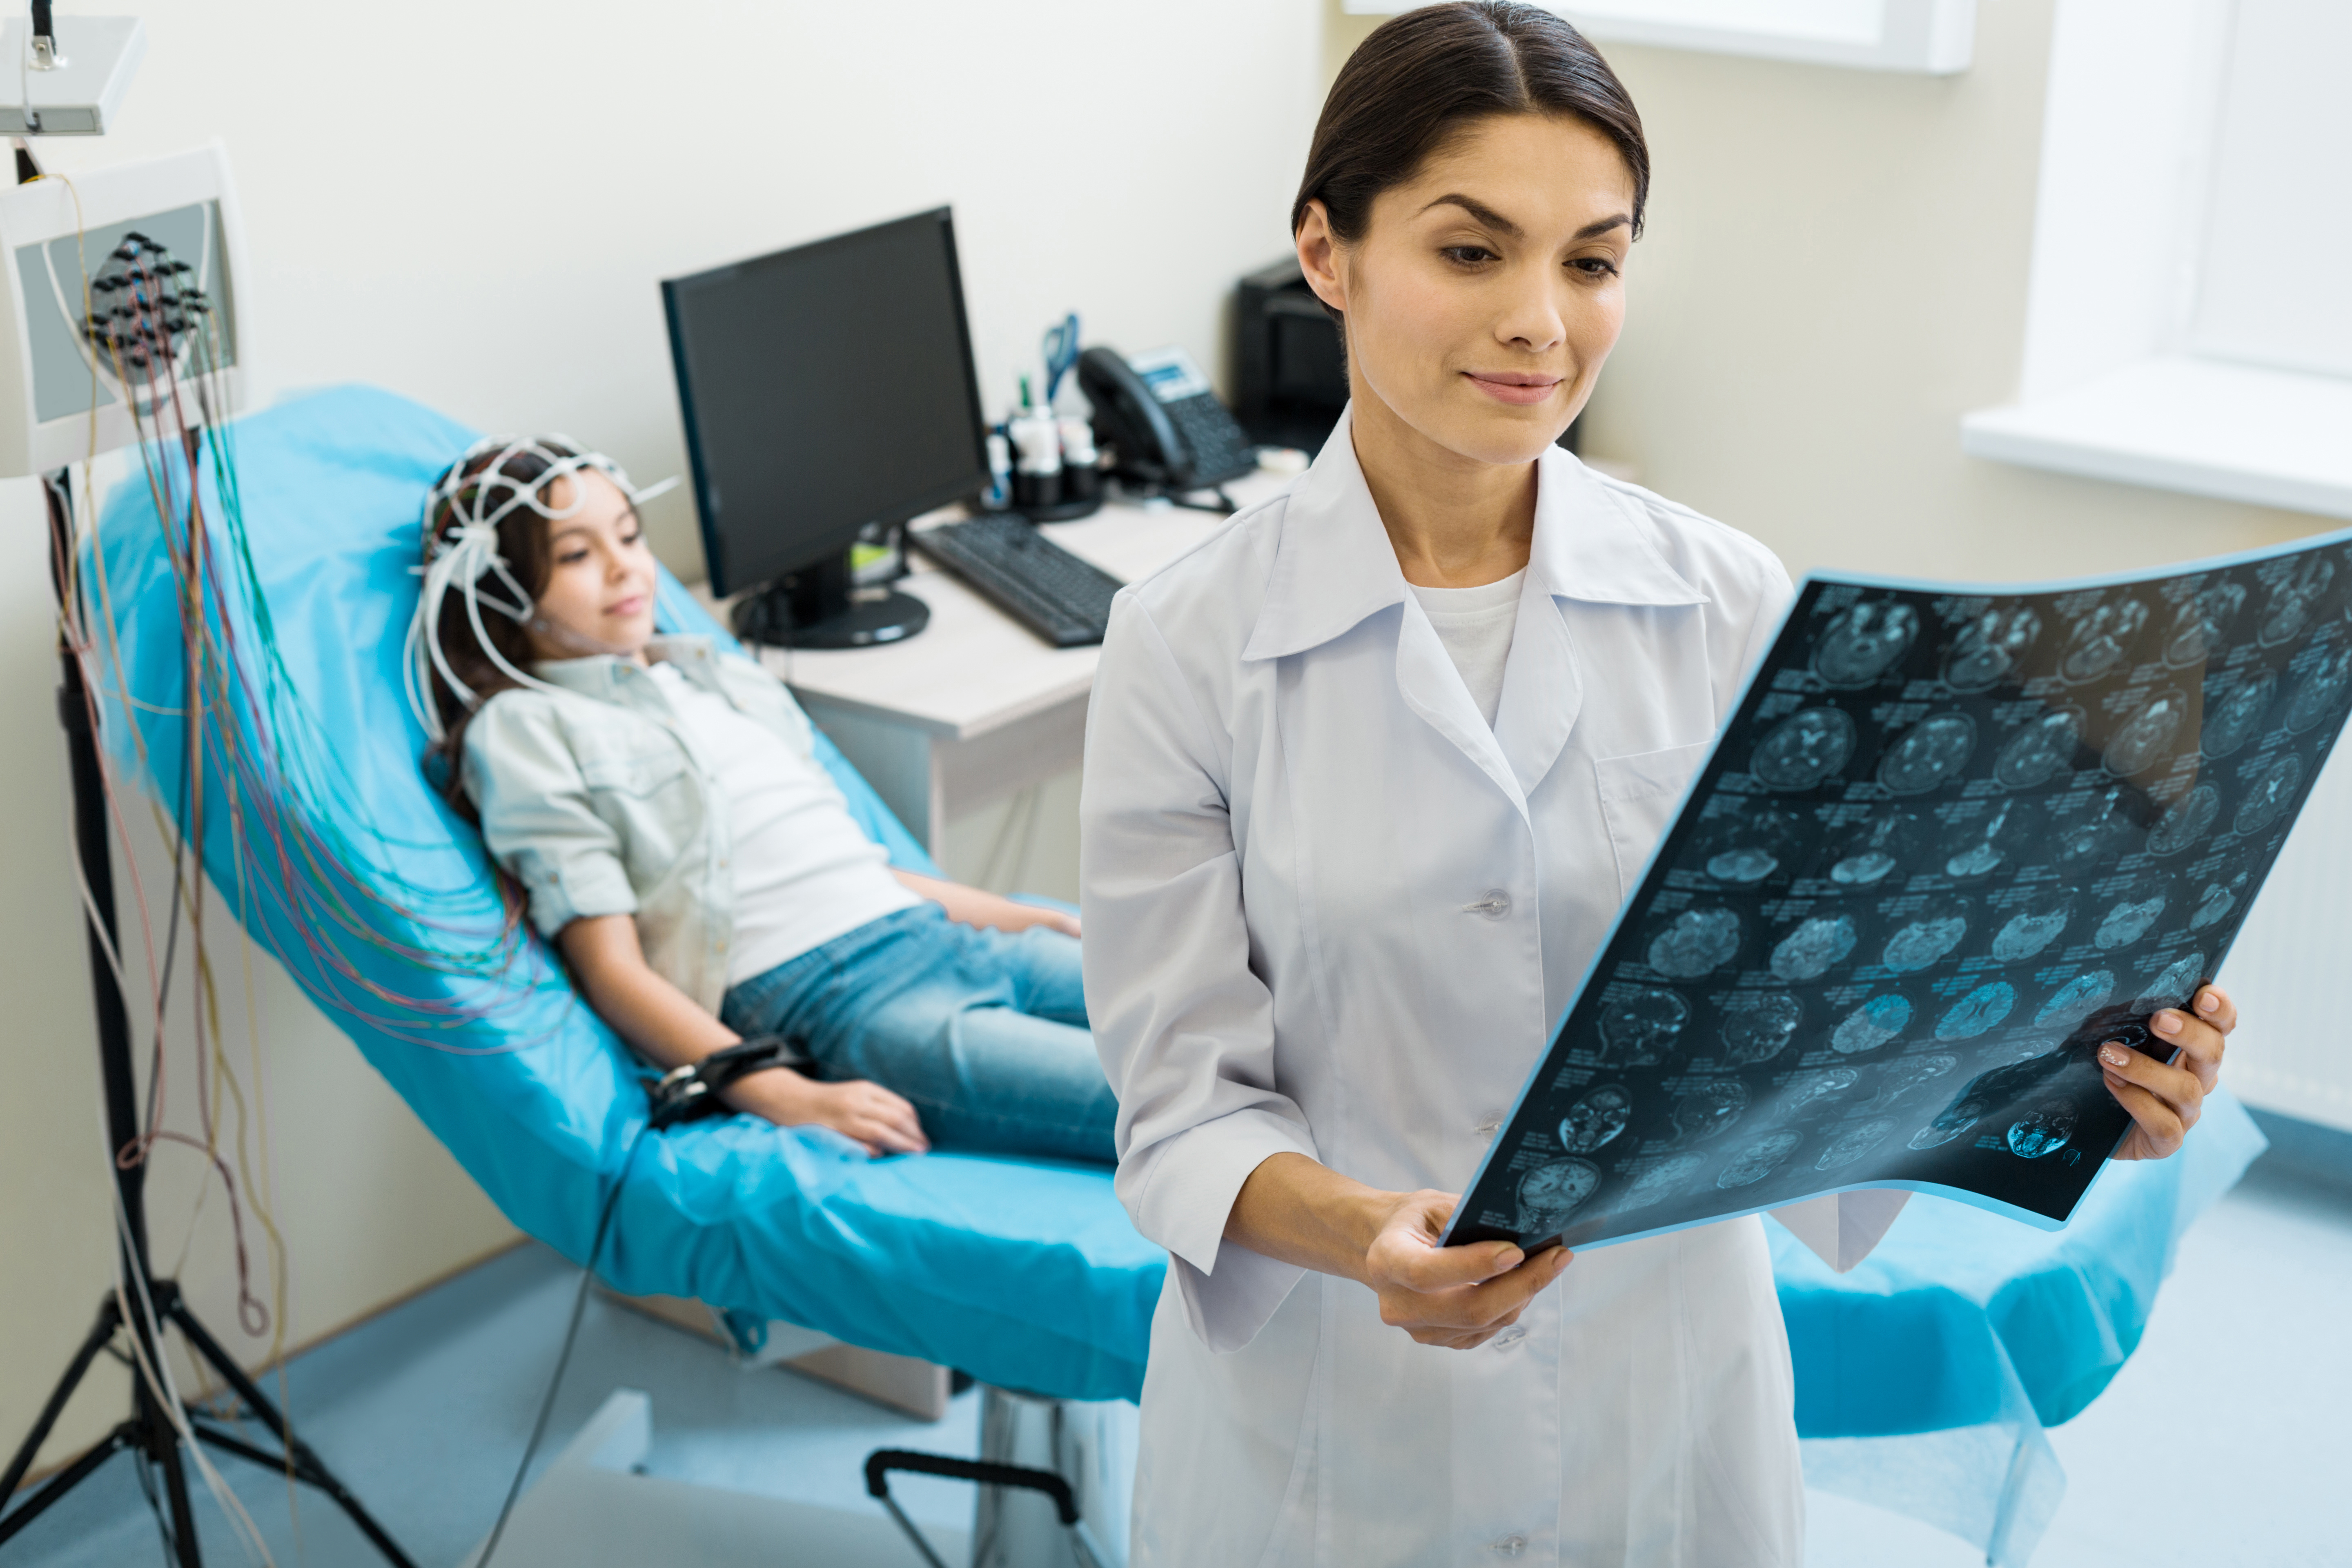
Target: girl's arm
point(668, 1028)
point(972, 907)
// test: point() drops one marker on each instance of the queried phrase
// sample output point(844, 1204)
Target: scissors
point(1061, 351)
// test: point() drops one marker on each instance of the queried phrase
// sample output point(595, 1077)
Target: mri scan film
point(1951, 843)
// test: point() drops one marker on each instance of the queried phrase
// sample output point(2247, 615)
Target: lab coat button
point(1493, 904)
point(1508, 1546)
point(1508, 1337)
point(1488, 1128)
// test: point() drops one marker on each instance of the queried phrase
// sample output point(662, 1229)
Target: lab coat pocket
point(1638, 796)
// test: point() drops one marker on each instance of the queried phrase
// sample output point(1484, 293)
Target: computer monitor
point(826, 388)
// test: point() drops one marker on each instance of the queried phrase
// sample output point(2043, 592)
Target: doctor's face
point(1486, 291)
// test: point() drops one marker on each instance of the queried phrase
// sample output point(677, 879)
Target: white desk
point(976, 706)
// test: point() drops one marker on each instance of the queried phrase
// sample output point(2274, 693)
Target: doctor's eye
point(1594, 266)
point(1468, 255)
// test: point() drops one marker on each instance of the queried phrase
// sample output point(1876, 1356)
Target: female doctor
point(1368, 776)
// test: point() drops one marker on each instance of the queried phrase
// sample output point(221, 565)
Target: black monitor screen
point(824, 388)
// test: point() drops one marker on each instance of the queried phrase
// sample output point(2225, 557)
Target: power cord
point(683, 1094)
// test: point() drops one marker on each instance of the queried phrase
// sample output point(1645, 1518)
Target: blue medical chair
point(1925, 1378)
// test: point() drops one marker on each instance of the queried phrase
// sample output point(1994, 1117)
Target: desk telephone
point(1167, 428)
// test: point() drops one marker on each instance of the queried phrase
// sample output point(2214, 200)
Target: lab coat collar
point(1334, 565)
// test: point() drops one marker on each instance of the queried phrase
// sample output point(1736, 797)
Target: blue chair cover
point(1925, 1378)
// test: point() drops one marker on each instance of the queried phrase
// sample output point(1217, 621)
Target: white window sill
point(2176, 423)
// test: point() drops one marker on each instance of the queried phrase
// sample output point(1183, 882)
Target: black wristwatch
point(685, 1093)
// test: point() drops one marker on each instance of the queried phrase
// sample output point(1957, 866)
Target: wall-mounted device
point(1164, 427)
point(1290, 370)
point(825, 389)
point(72, 72)
point(53, 369)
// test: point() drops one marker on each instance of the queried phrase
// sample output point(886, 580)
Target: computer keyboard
point(1035, 580)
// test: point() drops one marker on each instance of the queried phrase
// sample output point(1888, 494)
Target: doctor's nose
point(1532, 323)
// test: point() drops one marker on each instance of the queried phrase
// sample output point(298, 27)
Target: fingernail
point(2166, 1023)
point(2207, 1002)
point(2114, 1055)
point(1510, 1257)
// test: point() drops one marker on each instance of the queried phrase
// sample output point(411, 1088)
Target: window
point(2189, 327)
point(1935, 36)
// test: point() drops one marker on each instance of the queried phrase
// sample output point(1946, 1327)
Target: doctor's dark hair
point(1424, 76)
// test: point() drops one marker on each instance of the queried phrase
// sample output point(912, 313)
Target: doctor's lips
point(1522, 387)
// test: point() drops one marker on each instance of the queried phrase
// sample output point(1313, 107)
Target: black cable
point(571, 1336)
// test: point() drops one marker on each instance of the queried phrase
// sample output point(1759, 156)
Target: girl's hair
point(523, 541)
point(1424, 76)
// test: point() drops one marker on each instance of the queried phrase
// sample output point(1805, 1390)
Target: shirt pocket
point(1638, 796)
point(639, 762)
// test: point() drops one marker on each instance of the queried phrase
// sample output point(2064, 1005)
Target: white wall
point(471, 205)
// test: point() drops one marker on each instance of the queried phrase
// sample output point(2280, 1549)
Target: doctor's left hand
point(1456, 1296)
point(2166, 1101)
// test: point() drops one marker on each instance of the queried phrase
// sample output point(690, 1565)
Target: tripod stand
point(144, 1304)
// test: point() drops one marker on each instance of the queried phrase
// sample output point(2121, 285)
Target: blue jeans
point(985, 1033)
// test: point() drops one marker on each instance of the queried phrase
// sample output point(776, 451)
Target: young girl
point(1368, 776)
point(659, 800)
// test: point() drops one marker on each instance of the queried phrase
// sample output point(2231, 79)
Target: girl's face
point(599, 597)
point(1486, 291)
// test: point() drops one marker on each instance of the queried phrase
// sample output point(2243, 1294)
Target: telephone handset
point(1156, 413)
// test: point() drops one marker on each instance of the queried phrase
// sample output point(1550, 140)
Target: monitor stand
point(816, 608)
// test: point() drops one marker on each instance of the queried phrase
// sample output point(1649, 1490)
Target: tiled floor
point(2225, 1441)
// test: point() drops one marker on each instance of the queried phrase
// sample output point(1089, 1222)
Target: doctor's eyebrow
point(1502, 226)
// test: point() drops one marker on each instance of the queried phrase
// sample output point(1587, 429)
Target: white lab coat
point(1330, 910)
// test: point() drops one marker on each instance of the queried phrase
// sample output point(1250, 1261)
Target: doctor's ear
point(1319, 256)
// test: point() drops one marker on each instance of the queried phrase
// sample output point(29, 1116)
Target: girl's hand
point(1457, 1297)
point(2164, 1101)
point(867, 1112)
point(976, 907)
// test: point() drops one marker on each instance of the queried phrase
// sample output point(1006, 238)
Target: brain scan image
point(2039, 748)
point(2146, 738)
point(1595, 1119)
point(1709, 1108)
point(2233, 711)
point(2201, 623)
point(2100, 833)
point(2186, 821)
point(2076, 1000)
point(2321, 692)
point(2293, 602)
point(1978, 849)
point(2173, 987)
point(1661, 1181)
point(1550, 1192)
point(2271, 794)
point(1929, 754)
point(1871, 1025)
point(1976, 1012)
point(1866, 855)
point(1988, 648)
point(1865, 641)
point(1642, 1031)
point(1807, 746)
point(2217, 898)
point(1956, 1120)
point(2035, 926)
point(2100, 640)
point(2128, 920)
point(1759, 1025)
point(1901, 1077)
point(1850, 1143)
point(1921, 942)
point(2043, 1131)
point(1696, 941)
point(1749, 846)
point(1756, 1162)
point(1814, 947)
point(1805, 1090)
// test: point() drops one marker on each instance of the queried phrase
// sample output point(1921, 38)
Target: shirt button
point(1508, 1546)
point(1493, 904)
point(1508, 1337)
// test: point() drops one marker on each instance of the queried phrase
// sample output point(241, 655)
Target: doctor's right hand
point(1456, 1297)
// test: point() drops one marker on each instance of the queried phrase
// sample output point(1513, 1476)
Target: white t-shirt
point(805, 871)
point(1475, 626)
